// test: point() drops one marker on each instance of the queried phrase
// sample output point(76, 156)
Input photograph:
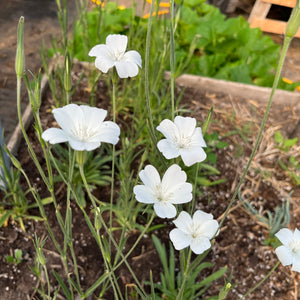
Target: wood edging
point(204, 84)
point(236, 89)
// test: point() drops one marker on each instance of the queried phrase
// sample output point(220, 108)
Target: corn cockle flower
point(172, 189)
point(195, 232)
point(289, 252)
point(183, 139)
point(113, 54)
point(83, 127)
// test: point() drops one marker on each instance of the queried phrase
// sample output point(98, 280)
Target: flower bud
point(20, 57)
point(97, 221)
point(294, 21)
point(67, 74)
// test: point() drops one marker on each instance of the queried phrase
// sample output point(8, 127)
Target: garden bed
point(240, 244)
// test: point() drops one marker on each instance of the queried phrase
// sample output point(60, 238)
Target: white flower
point(113, 54)
point(172, 189)
point(182, 139)
point(289, 252)
point(195, 232)
point(83, 127)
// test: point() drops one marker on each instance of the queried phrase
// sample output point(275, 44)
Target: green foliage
point(284, 144)
point(16, 258)
point(292, 165)
point(98, 24)
point(97, 168)
point(172, 280)
point(280, 218)
point(224, 48)
point(207, 43)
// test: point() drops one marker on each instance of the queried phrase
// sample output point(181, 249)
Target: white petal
point(296, 264)
point(168, 129)
point(192, 156)
point(134, 57)
point(180, 239)
point(81, 146)
point(168, 149)
point(165, 209)
point(98, 50)
point(126, 69)
point(89, 146)
point(173, 176)
point(200, 244)
point(285, 236)
point(182, 193)
point(284, 254)
point(54, 136)
point(197, 138)
point(69, 117)
point(208, 229)
point(296, 234)
point(185, 125)
point(143, 194)
point(201, 217)
point(150, 177)
point(183, 221)
point(93, 115)
point(104, 63)
point(109, 132)
point(117, 43)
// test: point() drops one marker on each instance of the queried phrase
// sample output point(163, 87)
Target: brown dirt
point(240, 244)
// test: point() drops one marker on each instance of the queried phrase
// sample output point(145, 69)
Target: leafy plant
point(292, 165)
point(171, 279)
point(280, 218)
point(210, 45)
point(96, 167)
point(16, 258)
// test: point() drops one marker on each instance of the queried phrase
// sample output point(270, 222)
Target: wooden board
point(258, 16)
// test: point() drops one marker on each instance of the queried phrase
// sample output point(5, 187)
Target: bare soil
point(240, 244)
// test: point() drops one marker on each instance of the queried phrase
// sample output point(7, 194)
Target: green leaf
point(5, 216)
point(63, 286)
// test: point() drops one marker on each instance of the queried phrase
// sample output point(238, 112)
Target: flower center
point(161, 195)
point(183, 142)
point(195, 230)
point(83, 134)
point(295, 247)
point(117, 54)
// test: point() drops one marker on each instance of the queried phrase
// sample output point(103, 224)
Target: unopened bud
point(67, 74)
point(20, 57)
point(294, 21)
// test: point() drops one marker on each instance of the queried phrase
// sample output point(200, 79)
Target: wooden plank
point(287, 3)
point(259, 10)
point(272, 26)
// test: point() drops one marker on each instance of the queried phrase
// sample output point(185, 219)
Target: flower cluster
point(182, 138)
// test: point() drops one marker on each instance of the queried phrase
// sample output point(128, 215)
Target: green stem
point(147, 60)
point(147, 88)
point(119, 252)
point(261, 282)
point(172, 58)
point(192, 203)
point(185, 275)
point(285, 47)
point(114, 87)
